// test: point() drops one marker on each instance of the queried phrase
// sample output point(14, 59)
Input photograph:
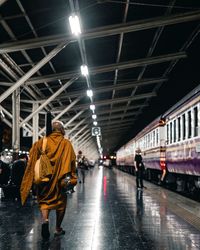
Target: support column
point(35, 122)
point(15, 122)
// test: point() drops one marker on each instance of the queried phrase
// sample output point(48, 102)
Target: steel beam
point(101, 103)
point(116, 125)
point(79, 143)
point(73, 118)
point(67, 108)
point(31, 72)
point(90, 150)
point(84, 137)
point(116, 122)
point(35, 123)
point(67, 84)
point(121, 39)
point(7, 84)
point(110, 117)
point(2, 2)
point(15, 121)
point(62, 112)
point(7, 122)
point(151, 50)
point(77, 125)
point(29, 129)
point(81, 43)
point(111, 130)
point(100, 113)
point(106, 112)
point(125, 99)
point(87, 142)
point(119, 86)
point(82, 129)
point(110, 67)
point(12, 74)
point(109, 30)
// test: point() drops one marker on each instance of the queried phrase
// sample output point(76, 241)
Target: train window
point(195, 111)
point(157, 139)
point(170, 132)
point(146, 141)
point(174, 127)
point(154, 138)
point(179, 128)
point(183, 126)
point(167, 133)
point(189, 124)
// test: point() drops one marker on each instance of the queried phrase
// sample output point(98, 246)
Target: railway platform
point(107, 212)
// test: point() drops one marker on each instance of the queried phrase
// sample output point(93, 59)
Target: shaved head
point(58, 126)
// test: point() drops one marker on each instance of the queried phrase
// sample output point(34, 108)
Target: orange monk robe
point(62, 157)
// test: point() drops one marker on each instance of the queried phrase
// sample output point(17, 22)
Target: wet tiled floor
point(106, 212)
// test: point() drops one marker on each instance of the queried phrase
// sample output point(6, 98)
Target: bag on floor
point(43, 168)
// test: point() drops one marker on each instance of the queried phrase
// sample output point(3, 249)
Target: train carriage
point(183, 136)
point(125, 154)
point(171, 144)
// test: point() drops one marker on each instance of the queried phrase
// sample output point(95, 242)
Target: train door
point(162, 149)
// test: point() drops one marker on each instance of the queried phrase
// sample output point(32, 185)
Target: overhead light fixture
point(92, 107)
point(94, 116)
point(89, 93)
point(75, 25)
point(94, 123)
point(84, 70)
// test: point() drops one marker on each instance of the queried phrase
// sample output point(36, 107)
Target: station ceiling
point(142, 56)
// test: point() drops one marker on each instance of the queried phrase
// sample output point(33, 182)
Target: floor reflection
point(105, 212)
point(139, 210)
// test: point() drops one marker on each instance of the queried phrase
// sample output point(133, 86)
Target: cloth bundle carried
point(43, 168)
point(68, 182)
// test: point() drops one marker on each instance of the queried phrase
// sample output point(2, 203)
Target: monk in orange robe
point(50, 194)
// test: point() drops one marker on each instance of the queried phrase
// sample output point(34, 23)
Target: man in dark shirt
point(17, 173)
point(81, 167)
point(4, 173)
point(139, 168)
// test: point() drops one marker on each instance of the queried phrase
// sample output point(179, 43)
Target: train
point(170, 146)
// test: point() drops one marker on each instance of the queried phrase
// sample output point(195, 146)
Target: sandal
point(60, 232)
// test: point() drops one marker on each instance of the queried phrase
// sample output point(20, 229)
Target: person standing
point(139, 168)
point(50, 194)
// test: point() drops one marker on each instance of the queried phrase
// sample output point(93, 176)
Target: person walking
point(17, 173)
point(139, 168)
point(50, 194)
point(81, 167)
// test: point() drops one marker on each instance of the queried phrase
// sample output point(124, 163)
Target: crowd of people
point(11, 175)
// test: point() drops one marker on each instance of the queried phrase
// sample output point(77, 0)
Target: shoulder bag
point(43, 168)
